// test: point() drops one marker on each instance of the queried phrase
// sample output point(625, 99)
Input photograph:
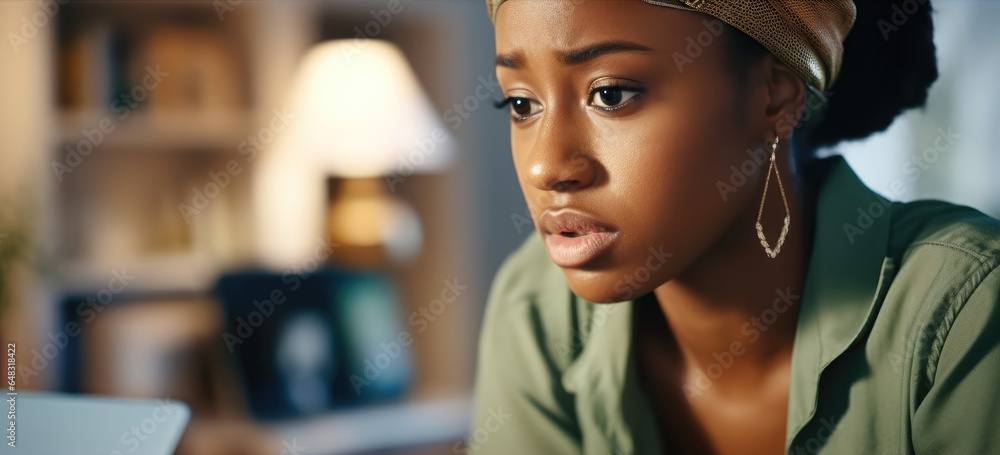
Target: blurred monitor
point(307, 343)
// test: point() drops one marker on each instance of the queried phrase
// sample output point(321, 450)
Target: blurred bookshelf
point(139, 151)
point(152, 97)
point(169, 131)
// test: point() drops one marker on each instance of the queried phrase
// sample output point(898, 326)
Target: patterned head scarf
point(806, 35)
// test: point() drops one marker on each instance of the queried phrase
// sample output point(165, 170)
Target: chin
point(605, 286)
point(611, 281)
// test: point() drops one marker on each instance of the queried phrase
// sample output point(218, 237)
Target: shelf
point(175, 273)
point(156, 131)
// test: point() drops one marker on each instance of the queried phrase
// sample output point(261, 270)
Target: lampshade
point(359, 111)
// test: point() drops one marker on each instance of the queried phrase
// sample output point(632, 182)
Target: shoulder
point(948, 278)
point(948, 282)
point(929, 226)
point(951, 247)
point(948, 249)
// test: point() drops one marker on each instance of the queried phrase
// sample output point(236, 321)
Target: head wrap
point(806, 35)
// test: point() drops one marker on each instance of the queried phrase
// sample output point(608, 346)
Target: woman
point(767, 301)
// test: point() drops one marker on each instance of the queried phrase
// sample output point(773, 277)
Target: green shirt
point(897, 346)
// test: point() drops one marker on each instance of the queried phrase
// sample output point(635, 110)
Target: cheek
point(664, 173)
point(669, 169)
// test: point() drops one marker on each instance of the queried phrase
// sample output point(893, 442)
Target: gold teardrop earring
point(772, 253)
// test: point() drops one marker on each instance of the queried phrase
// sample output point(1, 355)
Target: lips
point(574, 239)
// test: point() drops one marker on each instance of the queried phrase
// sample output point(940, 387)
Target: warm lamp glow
point(360, 112)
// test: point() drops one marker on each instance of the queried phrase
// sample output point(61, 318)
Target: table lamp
point(364, 119)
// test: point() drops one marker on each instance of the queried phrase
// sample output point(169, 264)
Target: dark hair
point(888, 66)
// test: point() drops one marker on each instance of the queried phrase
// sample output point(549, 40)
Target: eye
point(521, 108)
point(612, 97)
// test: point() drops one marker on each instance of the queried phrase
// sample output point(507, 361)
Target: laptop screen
point(58, 424)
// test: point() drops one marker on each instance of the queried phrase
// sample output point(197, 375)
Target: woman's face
point(623, 125)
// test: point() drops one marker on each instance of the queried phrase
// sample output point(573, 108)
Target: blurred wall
point(963, 110)
point(26, 125)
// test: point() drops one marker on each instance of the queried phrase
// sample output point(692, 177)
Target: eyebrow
point(515, 60)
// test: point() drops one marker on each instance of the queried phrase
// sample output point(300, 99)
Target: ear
point(786, 99)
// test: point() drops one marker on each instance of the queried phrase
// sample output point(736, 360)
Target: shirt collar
point(848, 271)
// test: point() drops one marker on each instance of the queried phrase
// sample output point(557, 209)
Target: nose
point(559, 160)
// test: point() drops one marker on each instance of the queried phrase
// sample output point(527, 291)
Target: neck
point(737, 303)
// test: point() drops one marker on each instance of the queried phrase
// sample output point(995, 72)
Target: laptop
point(61, 424)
